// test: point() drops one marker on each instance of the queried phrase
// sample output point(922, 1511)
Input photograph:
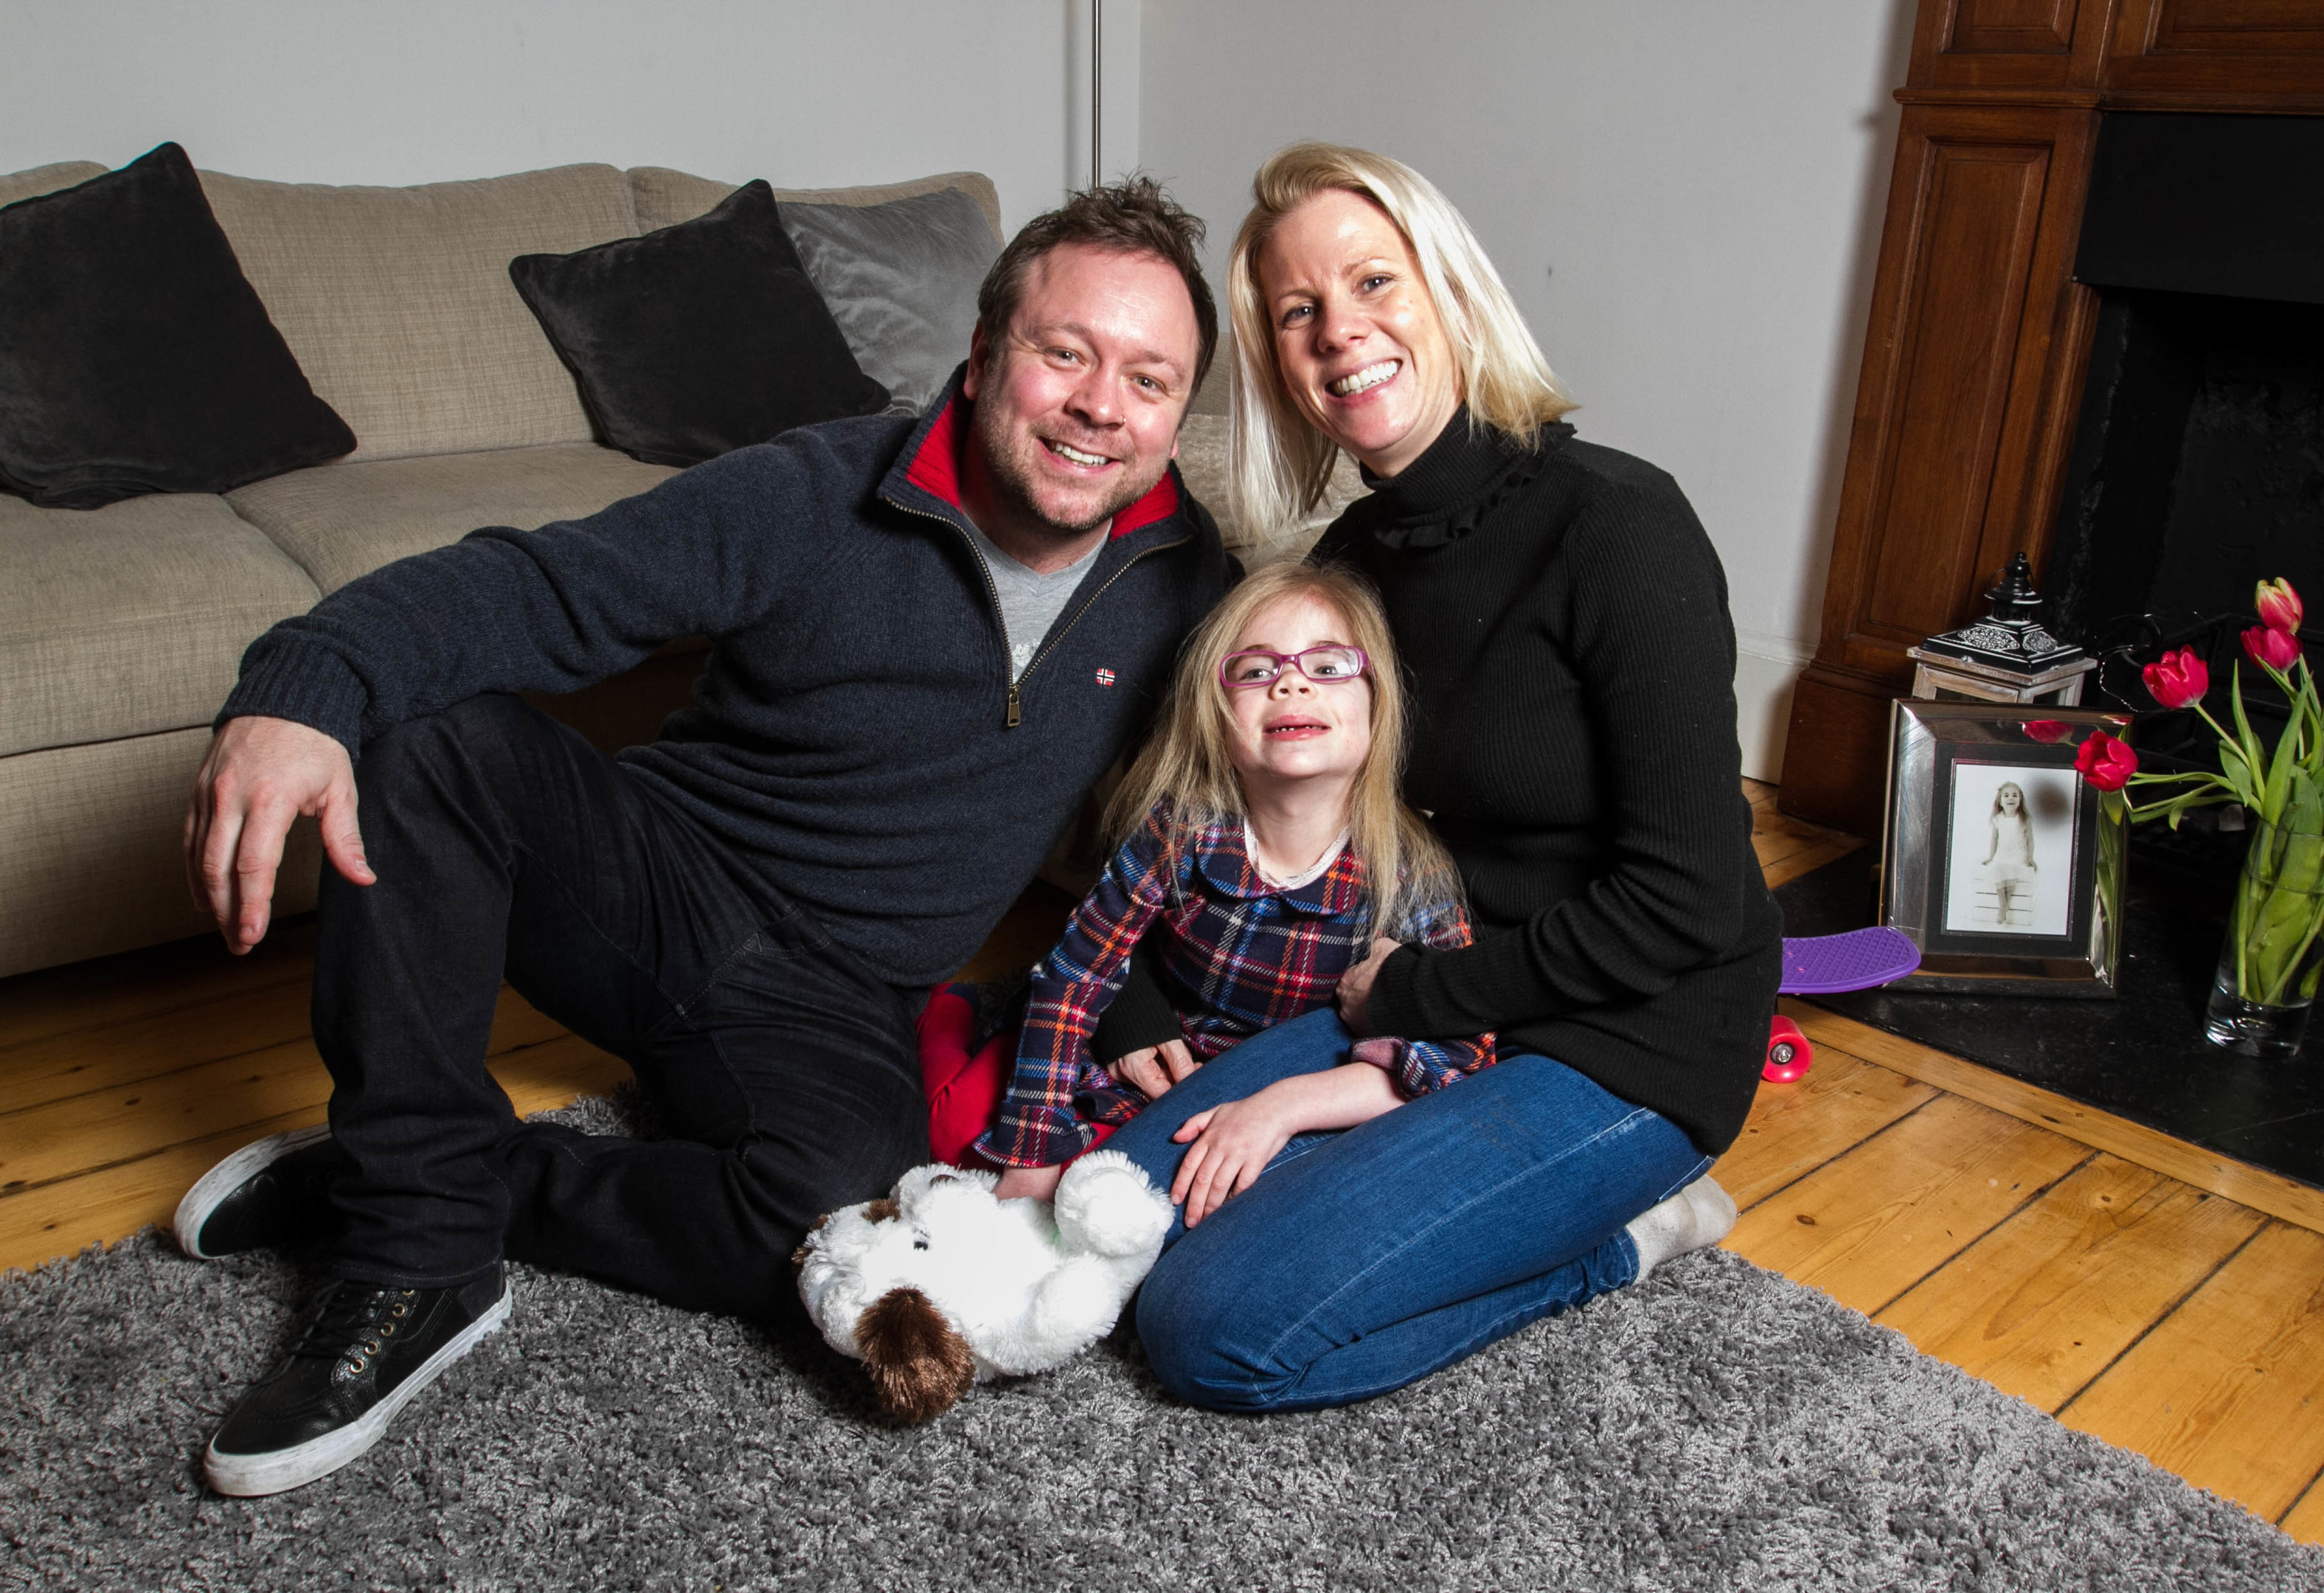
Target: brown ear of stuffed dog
point(920, 1367)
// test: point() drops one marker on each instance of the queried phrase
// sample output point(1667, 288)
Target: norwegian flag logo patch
point(1105, 677)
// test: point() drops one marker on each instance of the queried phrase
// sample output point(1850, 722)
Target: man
point(930, 639)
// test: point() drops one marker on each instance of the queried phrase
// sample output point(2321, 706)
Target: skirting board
point(1765, 669)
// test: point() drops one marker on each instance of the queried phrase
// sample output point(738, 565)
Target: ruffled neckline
point(1455, 487)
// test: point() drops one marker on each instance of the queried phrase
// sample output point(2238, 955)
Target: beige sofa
point(121, 628)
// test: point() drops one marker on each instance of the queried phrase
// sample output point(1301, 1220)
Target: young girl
point(1262, 851)
point(2009, 864)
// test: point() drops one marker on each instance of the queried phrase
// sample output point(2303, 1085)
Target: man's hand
point(1232, 1145)
point(1155, 1068)
point(259, 775)
point(1029, 1183)
point(1356, 987)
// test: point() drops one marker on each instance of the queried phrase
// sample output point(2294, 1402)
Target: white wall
point(804, 93)
point(1684, 195)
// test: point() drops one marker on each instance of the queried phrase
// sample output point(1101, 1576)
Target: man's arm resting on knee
point(551, 609)
point(259, 775)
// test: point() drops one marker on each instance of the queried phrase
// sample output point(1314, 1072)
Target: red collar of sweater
point(941, 455)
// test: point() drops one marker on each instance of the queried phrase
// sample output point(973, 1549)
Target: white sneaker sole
point(245, 1477)
point(221, 1181)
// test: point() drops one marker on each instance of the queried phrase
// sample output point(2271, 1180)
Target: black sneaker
point(366, 1353)
point(275, 1190)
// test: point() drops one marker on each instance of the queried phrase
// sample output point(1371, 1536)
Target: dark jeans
point(785, 1070)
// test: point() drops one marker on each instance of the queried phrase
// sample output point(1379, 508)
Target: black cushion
point(135, 356)
point(700, 338)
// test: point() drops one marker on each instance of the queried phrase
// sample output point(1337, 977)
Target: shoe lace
point(353, 1324)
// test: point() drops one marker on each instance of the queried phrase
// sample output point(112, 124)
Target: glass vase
point(2268, 964)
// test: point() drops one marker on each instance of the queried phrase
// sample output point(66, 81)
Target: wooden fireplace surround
point(1978, 335)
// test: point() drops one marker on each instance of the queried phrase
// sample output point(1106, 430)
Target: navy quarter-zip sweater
point(851, 737)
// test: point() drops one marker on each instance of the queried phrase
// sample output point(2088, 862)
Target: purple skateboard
point(1820, 965)
point(1856, 960)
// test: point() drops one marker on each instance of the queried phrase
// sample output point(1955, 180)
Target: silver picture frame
point(1999, 860)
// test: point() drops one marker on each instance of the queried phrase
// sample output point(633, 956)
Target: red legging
point(963, 1085)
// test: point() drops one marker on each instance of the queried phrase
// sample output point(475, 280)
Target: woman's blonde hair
point(1280, 463)
point(1186, 762)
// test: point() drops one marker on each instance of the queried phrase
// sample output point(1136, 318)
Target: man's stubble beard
point(1011, 481)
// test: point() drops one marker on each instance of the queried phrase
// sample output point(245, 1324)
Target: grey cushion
point(346, 519)
point(663, 198)
point(901, 280)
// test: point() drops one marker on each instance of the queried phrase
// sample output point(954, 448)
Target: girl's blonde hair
point(1184, 762)
point(1280, 464)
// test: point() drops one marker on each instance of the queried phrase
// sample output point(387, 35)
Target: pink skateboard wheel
point(1789, 1054)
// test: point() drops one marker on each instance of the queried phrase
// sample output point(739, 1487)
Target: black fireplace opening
point(2196, 468)
point(2199, 465)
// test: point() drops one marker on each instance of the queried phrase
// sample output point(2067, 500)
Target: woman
point(1564, 621)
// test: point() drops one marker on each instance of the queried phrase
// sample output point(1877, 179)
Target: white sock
point(1701, 1214)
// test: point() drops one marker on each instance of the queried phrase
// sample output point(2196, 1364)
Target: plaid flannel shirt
point(1237, 955)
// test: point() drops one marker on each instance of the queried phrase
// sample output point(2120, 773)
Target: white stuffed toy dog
point(941, 1285)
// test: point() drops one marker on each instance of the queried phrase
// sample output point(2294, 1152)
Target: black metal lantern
point(2004, 658)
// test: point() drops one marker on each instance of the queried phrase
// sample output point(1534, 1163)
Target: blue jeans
point(1361, 1261)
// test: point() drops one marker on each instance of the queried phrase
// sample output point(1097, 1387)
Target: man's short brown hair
point(1133, 216)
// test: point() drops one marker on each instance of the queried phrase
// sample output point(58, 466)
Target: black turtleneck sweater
point(1563, 621)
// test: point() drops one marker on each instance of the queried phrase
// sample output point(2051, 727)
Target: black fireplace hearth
point(2142, 1056)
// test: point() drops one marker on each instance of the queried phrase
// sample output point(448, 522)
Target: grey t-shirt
point(1030, 602)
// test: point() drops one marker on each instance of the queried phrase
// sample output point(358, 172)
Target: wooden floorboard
point(108, 990)
point(1794, 1128)
point(2256, 1187)
point(55, 1066)
point(2229, 1390)
point(1870, 1225)
point(2305, 1520)
point(2048, 1299)
point(109, 1203)
point(2086, 1264)
point(40, 1143)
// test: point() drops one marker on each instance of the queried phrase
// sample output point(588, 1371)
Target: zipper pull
point(1016, 713)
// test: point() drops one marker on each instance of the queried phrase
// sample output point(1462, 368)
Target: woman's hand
point(1029, 1183)
point(1155, 1068)
point(1232, 1145)
point(1356, 987)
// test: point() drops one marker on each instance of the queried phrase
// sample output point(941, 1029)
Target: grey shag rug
point(1715, 1427)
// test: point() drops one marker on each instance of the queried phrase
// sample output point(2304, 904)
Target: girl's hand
point(1232, 1145)
point(1356, 987)
point(1029, 1183)
point(1155, 1068)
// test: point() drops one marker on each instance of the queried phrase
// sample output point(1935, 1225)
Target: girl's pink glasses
point(1332, 664)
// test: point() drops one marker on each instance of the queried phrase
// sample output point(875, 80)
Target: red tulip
point(2047, 730)
point(2105, 763)
point(2271, 648)
point(2279, 605)
point(2180, 678)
